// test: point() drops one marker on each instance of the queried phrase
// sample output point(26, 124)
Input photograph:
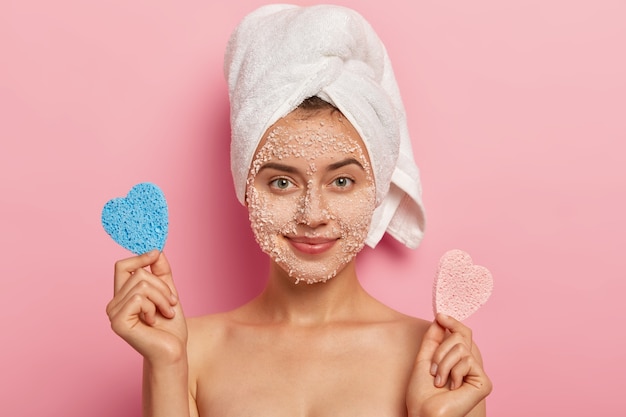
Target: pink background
point(518, 115)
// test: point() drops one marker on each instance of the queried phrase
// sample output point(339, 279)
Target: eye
point(281, 183)
point(343, 182)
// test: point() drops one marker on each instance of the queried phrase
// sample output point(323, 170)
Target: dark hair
point(313, 105)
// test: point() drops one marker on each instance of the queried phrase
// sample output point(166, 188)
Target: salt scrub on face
point(311, 182)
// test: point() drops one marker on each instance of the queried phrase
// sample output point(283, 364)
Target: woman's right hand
point(145, 310)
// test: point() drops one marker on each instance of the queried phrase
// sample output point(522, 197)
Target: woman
point(322, 160)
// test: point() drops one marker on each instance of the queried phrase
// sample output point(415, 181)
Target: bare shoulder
point(205, 332)
point(201, 326)
point(206, 336)
point(209, 333)
point(410, 329)
point(415, 325)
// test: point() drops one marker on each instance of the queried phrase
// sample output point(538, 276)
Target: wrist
point(172, 357)
point(165, 387)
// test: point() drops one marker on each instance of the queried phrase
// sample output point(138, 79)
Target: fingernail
point(438, 380)
point(433, 369)
point(172, 311)
point(173, 298)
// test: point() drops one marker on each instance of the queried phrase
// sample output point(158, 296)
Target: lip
point(311, 246)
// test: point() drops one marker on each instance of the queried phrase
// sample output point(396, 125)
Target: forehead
point(311, 136)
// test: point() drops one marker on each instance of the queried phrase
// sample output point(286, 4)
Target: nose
point(312, 210)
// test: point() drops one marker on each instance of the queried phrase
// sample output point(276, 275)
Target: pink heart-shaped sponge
point(460, 286)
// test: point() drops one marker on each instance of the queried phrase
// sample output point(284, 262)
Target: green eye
point(281, 183)
point(343, 182)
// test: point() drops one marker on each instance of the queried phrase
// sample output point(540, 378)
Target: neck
point(335, 300)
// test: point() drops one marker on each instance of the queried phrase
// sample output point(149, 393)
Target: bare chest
point(308, 374)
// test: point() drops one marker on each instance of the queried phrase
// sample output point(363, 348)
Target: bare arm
point(146, 313)
point(165, 389)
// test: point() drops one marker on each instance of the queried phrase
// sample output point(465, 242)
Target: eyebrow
point(279, 167)
point(343, 163)
point(292, 170)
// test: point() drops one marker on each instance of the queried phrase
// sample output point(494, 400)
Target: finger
point(475, 382)
point(456, 333)
point(459, 371)
point(160, 297)
point(128, 315)
point(148, 311)
point(148, 286)
point(454, 326)
point(433, 337)
point(448, 362)
point(468, 397)
point(450, 342)
point(143, 275)
point(161, 268)
point(125, 268)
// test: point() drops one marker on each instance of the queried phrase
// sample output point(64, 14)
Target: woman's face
point(311, 194)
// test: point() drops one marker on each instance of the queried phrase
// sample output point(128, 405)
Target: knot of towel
point(279, 55)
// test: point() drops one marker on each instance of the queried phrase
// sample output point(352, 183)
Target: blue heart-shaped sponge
point(138, 222)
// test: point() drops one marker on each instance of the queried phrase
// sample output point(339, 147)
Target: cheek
point(354, 214)
point(269, 215)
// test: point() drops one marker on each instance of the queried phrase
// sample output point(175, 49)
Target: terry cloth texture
point(279, 55)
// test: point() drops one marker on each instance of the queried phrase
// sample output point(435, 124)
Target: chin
point(311, 281)
point(313, 272)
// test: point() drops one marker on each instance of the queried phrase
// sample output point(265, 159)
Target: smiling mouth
point(311, 246)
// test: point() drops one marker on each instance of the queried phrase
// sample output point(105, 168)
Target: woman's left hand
point(448, 378)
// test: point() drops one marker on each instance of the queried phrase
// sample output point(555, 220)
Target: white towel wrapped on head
point(280, 55)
